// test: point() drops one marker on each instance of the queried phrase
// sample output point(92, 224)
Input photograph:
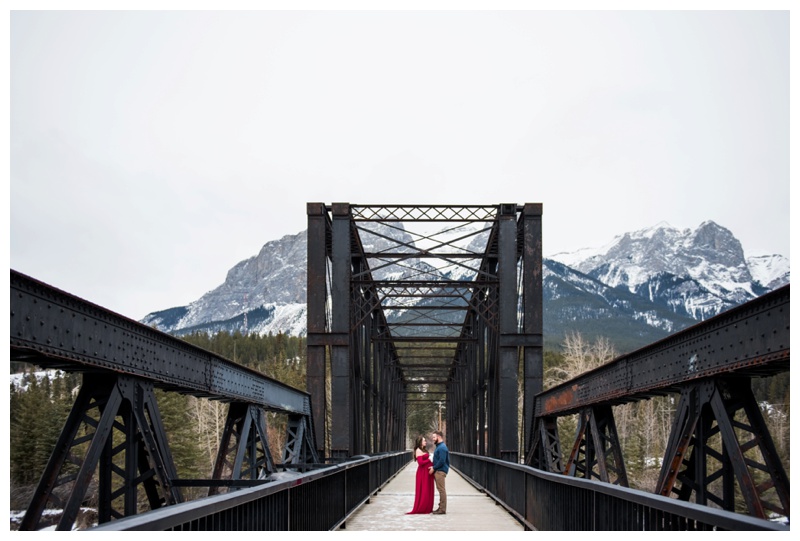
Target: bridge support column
point(299, 448)
point(243, 451)
point(532, 313)
point(317, 298)
point(105, 404)
point(545, 449)
point(342, 415)
point(597, 446)
point(508, 370)
point(691, 464)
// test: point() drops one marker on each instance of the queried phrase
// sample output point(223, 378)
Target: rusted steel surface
point(751, 339)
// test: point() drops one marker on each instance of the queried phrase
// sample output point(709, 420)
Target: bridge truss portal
point(410, 303)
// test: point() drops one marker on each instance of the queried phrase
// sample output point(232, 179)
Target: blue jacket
point(441, 458)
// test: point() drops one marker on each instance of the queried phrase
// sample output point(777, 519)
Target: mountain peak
point(658, 278)
point(663, 260)
point(718, 243)
point(652, 230)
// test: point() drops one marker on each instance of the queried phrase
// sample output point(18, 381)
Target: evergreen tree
point(184, 445)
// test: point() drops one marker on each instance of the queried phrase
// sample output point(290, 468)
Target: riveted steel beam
point(52, 328)
point(751, 339)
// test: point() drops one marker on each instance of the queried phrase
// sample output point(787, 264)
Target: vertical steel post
point(366, 363)
point(342, 445)
point(317, 294)
point(475, 390)
point(482, 387)
point(533, 361)
point(492, 402)
point(383, 432)
point(509, 357)
point(374, 361)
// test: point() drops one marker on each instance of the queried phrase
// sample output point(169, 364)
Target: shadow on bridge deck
point(467, 508)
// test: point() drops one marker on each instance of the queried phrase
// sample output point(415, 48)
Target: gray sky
point(151, 151)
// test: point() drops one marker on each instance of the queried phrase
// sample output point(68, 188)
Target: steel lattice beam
point(122, 361)
point(424, 213)
point(52, 328)
point(460, 323)
point(719, 439)
point(751, 339)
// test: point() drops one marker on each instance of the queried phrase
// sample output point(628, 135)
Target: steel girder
point(749, 340)
point(710, 364)
point(122, 361)
point(727, 409)
point(345, 350)
point(243, 450)
point(376, 290)
point(597, 452)
point(105, 404)
point(59, 330)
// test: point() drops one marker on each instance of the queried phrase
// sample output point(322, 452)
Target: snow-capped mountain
point(636, 289)
point(698, 273)
point(770, 271)
point(269, 288)
point(574, 301)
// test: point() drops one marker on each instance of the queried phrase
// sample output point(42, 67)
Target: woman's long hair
point(418, 443)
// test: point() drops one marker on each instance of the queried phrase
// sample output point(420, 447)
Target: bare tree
point(580, 356)
point(209, 421)
point(643, 427)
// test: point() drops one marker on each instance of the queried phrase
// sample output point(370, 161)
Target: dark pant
point(439, 478)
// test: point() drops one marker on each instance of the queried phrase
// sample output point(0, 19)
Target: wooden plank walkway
point(467, 508)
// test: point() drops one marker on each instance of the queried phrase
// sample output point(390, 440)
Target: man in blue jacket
point(441, 465)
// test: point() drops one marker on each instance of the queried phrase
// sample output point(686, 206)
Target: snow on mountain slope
point(771, 271)
point(697, 272)
point(643, 284)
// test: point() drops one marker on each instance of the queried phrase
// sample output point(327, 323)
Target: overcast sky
point(151, 151)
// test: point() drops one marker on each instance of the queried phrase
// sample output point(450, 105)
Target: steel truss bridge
point(409, 305)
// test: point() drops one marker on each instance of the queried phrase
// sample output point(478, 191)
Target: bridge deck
point(467, 508)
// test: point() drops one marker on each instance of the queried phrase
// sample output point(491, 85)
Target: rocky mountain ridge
point(640, 287)
point(698, 273)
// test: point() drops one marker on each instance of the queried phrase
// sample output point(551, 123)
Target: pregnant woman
point(423, 495)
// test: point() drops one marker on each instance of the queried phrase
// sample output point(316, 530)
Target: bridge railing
point(549, 501)
point(319, 500)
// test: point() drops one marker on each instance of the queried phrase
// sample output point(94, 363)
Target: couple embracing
point(429, 473)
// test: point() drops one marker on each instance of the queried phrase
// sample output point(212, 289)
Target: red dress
point(423, 495)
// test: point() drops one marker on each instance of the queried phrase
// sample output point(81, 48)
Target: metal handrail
point(321, 499)
point(548, 501)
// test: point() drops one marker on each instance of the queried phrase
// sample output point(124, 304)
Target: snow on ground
point(21, 381)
